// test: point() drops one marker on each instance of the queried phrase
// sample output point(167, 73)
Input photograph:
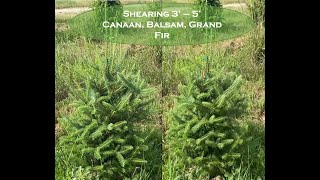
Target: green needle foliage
point(203, 131)
point(210, 2)
point(210, 10)
point(108, 10)
point(102, 130)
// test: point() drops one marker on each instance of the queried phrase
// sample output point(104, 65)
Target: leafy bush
point(203, 131)
point(101, 133)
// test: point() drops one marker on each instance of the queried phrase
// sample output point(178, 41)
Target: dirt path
point(235, 5)
point(78, 10)
point(75, 10)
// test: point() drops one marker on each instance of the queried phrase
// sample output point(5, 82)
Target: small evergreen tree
point(210, 10)
point(102, 3)
point(203, 132)
point(107, 10)
point(210, 2)
point(101, 132)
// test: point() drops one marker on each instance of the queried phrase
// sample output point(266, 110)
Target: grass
point(222, 1)
point(86, 3)
point(72, 3)
point(243, 55)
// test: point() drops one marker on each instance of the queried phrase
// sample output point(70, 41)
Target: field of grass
point(87, 3)
point(72, 3)
point(80, 60)
point(222, 1)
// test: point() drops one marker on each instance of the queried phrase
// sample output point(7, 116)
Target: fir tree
point(215, 3)
point(203, 131)
point(101, 132)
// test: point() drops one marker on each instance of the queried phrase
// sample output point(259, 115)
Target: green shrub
point(102, 131)
point(203, 131)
